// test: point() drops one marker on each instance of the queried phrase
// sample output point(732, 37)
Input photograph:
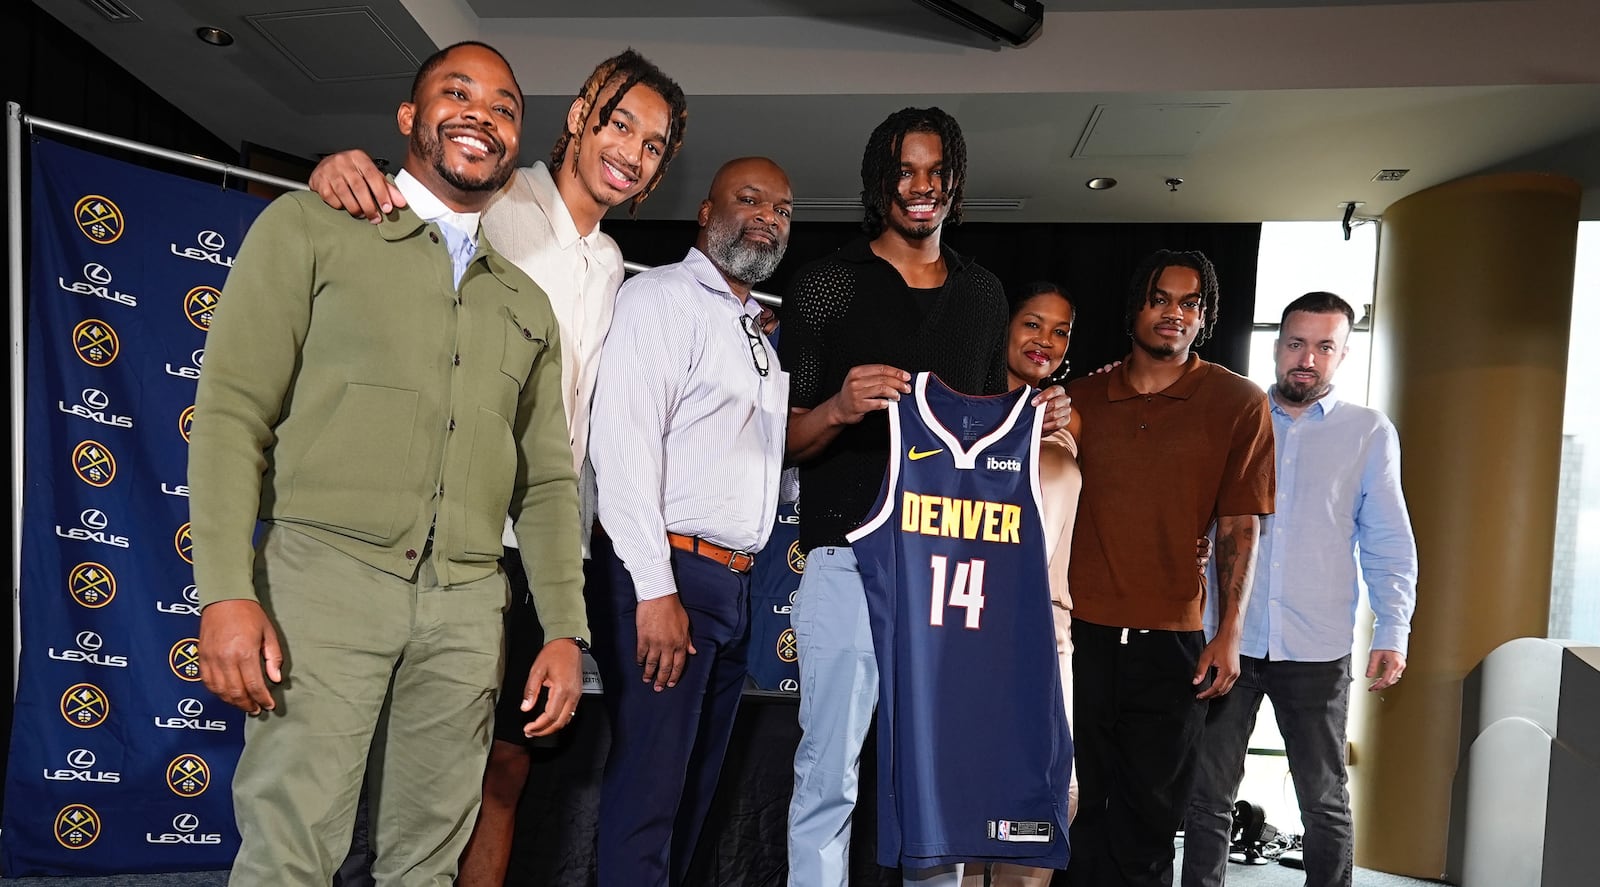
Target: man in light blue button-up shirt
point(1338, 494)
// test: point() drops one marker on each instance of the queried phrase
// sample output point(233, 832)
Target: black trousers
point(1136, 732)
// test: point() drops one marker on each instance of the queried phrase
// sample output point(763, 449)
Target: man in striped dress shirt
point(686, 438)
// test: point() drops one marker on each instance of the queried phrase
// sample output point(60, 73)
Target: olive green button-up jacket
point(352, 392)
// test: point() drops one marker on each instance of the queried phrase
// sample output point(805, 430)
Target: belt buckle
point(734, 561)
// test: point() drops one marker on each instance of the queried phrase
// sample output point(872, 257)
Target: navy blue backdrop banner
point(121, 760)
point(774, 652)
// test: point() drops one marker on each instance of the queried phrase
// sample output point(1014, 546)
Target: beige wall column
point(1474, 301)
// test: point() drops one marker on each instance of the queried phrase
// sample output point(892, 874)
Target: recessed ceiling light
point(1100, 183)
point(214, 36)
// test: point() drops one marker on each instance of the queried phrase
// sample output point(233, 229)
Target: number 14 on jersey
point(962, 589)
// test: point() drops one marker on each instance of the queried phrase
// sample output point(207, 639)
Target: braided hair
point(1144, 282)
point(880, 163)
point(626, 70)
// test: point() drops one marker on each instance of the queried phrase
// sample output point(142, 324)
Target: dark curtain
point(1093, 261)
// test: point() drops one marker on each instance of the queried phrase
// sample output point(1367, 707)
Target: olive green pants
point(404, 668)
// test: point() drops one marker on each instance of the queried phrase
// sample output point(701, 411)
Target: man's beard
point(744, 262)
point(1303, 392)
point(429, 144)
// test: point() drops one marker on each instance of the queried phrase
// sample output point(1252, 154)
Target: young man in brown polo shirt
point(1170, 444)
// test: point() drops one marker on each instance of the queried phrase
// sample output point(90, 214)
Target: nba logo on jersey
point(973, 747)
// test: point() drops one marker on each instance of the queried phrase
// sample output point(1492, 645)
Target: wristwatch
point(583, 645)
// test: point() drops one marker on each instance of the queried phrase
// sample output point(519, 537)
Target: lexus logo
point(95, 399)
point(80, 758)
point(211, 240)
point(185, 822)
point(190, 708)
point(94, 519)
point(198, 356)
point(191, 594)
point(97, 273)
point(90, 641)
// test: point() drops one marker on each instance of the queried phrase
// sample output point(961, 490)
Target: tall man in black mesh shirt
point(856, 325)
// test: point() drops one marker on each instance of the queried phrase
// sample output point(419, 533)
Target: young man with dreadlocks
point(1170, 444)
point(857, 324)
point(620, 133)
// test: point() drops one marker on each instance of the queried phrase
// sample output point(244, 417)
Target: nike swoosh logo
point(914, 455)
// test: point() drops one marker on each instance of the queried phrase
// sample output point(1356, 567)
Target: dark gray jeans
point(1312, 704)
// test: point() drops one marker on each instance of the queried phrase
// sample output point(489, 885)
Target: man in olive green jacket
point(380, 397)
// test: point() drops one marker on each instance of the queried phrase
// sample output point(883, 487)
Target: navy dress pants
point(667, 747)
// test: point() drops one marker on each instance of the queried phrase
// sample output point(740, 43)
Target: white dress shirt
point(529, 224)
point(687, 435)
point(431, 209)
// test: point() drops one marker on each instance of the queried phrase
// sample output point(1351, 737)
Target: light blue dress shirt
point(1338, 494)
point(460, 229)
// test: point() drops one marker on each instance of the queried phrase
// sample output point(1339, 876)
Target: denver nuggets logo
point(797, 558)
point(91, 585)
point(188, 776)
point(184, 659)
point(186, 422)
point(93, 463)
point(77, 826)
point(85, 706)
point(180, 541)
point(99, 219)
point(199, 303)
point(96, 343)
point(788, 650)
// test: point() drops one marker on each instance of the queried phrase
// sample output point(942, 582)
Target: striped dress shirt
point(686, 435)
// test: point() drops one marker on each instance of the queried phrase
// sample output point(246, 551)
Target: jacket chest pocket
point(522, 346)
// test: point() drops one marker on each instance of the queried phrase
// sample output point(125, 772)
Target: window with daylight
point(1575, 581)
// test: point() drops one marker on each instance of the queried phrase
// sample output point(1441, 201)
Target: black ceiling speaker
point(1014, 21)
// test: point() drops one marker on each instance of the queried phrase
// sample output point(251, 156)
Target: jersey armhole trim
point(886, 506)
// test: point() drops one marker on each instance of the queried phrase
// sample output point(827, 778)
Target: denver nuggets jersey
point(974, 755)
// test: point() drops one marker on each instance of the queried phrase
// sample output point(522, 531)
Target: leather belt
point(737, 561)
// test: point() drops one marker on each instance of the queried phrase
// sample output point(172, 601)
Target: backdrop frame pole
point(14, 284)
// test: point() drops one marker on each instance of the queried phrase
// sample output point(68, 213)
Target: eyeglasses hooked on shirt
point(758, 345)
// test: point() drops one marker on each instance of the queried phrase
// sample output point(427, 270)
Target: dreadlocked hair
point(880, 163)
point(432, 62)
point(1144, 282)
point(627, 70)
